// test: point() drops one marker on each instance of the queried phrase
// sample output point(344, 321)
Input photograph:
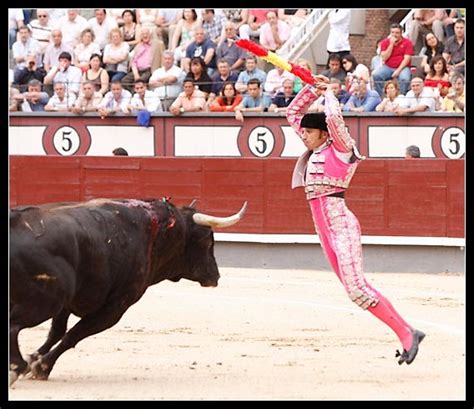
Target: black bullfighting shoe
point(409, 356)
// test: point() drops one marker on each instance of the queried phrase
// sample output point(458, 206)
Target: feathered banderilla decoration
point(269, 56)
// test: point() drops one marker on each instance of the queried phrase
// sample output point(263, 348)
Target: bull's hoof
point(30, 358)
point(13, 377)
point(40, 370)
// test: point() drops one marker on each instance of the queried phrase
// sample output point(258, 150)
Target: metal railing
point(303, 34)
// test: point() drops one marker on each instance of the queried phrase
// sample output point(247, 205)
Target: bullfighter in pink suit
point(325, 171)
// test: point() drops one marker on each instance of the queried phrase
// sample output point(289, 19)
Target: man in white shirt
point(166, 81)
point(101, 25)
point(25, 47)
point(66, 73)
point(418, 99)
point(72, 25)
point(338, 39)
point(61, 101)
point(116, 100)
point(274, 81)
point(143, 99)
point(41, 29)
point(15, 22)
point(54, 50)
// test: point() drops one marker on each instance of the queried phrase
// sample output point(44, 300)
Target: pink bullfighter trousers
point(339, 233)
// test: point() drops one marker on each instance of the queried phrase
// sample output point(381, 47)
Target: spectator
point(338, 39)
point(166, 80)
point(354, 71)
point(454, 49)
point(274, 32)
point(254, 101)
point(227, 100)
point(229, 51)
point(167, 21)
point(298, 82)
point(101, 25)
point(340, 93)
point(251, 71)
point(131, 30)
point(54, 49)
point(213, 26)
point(450, 17)
point(24, 47)
point(203, 48)
point(34, 100)
point(149, 18)
point(455, 99)
point(417, 99)
point(96, 74)
point(13, 104)
point(16, 20)
point(61, 101)
point(433, 47)
point(438, 79)
point(376, 61)
point(89, 100)
point(72, 25)
point(334, 68)
point(237, 16)
point(119, 152)
point(412, 152)
point(64, 72)
point(283, 98)
point(143, 100)
point(396, 52)
point(23, 75)
point(190, 100)
point(85, 49)
point(116, 15)
point(362, 99)
point(199, 76)
point(183, 34)
point(222, 76)
point(425, 21)
point(146, 59)
point(251, 30)
point(55, 15)
point(393, 98)
point(116, 100)
point(116, 55)
point(293, 17)
point(41, 29)
point(274, 80)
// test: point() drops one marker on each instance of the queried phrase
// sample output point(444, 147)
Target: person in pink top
point(396, 52)
point(274, 32)
point(325, 171)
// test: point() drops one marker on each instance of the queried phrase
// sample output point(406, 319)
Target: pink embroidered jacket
point(323, 171)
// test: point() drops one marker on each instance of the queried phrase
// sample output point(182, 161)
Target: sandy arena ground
point(265, 335)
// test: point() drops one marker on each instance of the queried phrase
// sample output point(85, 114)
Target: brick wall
point(377, 24)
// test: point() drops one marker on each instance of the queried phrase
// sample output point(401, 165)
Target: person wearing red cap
point(325, 171)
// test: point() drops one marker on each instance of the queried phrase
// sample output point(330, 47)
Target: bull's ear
point(213, 221)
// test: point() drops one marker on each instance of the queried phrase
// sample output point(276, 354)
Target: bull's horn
point(213, 221)
point(192, 203)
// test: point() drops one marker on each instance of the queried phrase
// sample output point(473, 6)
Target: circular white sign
point(261, 141)
point(66, 141)
point(453, 142)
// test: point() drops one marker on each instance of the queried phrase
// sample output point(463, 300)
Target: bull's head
point(199, 251)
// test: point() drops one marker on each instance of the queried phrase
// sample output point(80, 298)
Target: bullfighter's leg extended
point(339, 232)
point(90, 324)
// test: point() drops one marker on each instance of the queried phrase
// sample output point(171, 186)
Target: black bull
point(94, 260)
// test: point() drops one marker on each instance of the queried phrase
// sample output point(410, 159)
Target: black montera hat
point(315, 120)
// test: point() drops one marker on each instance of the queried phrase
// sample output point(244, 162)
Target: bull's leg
point(24, 316)
point(58, 329)
point(91, 324)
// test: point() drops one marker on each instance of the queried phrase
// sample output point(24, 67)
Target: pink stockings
point(339, 233)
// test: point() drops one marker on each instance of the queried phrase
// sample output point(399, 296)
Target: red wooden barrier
point(390, 197)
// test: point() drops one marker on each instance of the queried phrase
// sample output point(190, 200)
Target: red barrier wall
point(390, 197)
